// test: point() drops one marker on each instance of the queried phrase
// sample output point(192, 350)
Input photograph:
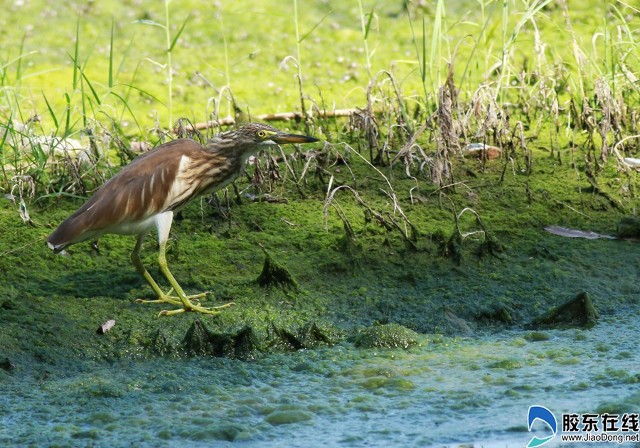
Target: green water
point(443, 391)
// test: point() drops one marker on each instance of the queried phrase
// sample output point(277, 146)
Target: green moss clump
point(536, 336)
point(288, 416)
point(386, 336)
point(200, 341)
point(506, 364)
point(577, 312)
point(629, 227)
point(273, 274)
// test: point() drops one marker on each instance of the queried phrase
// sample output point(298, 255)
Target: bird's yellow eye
point(262, 133)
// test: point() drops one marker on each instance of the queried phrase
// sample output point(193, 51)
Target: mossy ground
point(53, 304)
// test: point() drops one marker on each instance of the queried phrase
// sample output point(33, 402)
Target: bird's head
point(258, 134)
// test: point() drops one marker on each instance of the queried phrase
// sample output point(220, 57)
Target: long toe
point(190, 307)
point(174, 300)
point(193, 297)
point(163, 299)
point(167, 299)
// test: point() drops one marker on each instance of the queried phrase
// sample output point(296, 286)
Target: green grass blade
point(19, 66)
point(415, 45)
point(53, 115)
point(125, 55)
point(478, 40)
point(67, 113)
point(84, 105)
point(151, 23)
point(144, 92)
point(436, 41)
point(423, 65)
point(368, 26)
point(93, 91)
point(75, 55)
point(307, 34)
point(126, 105)
point(175, 38)
point(111, 55)
point(5, 134)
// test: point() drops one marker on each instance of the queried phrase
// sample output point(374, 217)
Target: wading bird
point(151, 189)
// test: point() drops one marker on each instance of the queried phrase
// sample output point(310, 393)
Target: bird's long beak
point(282, 137)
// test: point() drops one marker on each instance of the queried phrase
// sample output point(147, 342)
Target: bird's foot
point(173, 300)
point(163, 299)
point(187, 306)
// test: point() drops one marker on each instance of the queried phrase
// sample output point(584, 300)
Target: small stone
point(481, 150)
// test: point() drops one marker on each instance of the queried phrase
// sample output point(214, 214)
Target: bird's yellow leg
point(137, 262)
point(163, 223)
point(186, 303)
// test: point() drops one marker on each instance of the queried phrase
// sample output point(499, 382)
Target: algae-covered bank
point(380, 339)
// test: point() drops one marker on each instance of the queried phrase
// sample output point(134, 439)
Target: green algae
point(578, 311)
point(537, 336)
point(291, 397)
point(288, 416)
point(386, 336)
point(493, 290)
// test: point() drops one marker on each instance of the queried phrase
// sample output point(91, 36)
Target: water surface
point(446, 391)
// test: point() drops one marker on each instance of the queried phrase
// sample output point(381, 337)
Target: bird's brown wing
point(140, 190)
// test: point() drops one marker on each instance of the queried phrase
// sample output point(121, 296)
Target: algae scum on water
point(441, 391)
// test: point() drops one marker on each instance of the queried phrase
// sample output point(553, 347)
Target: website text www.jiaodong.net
point(601, 437)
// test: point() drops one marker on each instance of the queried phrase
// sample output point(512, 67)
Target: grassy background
point(540, 79)
point(120, 47)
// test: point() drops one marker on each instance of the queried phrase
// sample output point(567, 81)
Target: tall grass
point(170, 41)
point(70, 155)
point(507, 78)
point(365, 23)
